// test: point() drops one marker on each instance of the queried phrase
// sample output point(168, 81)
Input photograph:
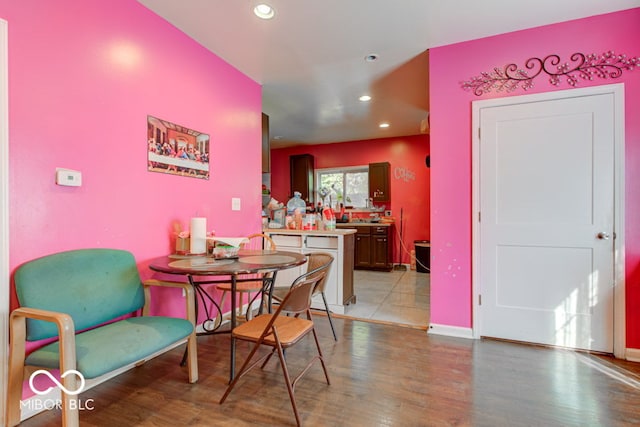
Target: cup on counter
point(309, 222)
point(182, 245)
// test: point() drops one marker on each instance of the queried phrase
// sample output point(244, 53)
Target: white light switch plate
point(235, 204)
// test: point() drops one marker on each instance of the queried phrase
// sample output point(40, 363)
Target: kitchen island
point(339, 243)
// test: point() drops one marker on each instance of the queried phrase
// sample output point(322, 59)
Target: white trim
point(450, 331)
point(4, 214)
point(619, 294)
point(619, 337)
point(633, 354)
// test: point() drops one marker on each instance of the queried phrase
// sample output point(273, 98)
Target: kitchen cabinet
point(266, 145)
point(380, 182)
point(373, 247)
point(301, 168)
point(362, 254)
point(339, 243)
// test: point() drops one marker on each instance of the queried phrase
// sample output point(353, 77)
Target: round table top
point(247, 261)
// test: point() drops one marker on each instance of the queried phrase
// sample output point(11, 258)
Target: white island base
point(339, 243)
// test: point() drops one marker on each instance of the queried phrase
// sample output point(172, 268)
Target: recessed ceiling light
point(264, 11)
point(365, 98)
point(371, 57)
point(384, 125)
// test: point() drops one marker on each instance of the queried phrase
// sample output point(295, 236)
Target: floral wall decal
point(581, 66)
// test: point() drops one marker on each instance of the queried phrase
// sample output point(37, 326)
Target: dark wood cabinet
point(380, 182)
point(379, 251)
point(302, 171)
point(266, 145)
point(362, 252)
point(373, 248)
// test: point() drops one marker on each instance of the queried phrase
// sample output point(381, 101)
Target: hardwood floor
point(381, 375)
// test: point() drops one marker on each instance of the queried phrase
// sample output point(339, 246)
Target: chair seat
point(253, 286)
point(290, 329)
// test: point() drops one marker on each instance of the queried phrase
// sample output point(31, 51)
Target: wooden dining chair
point(281, 330)
point(319, 262)
point(249, 284)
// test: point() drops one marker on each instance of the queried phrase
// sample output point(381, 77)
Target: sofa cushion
point(117, 344)
point(93, 286)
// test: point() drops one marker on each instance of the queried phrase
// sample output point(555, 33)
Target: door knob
point(603, 236)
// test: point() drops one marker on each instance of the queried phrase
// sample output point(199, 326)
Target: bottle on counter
point(297, 218)
point(329, 219)
point(342, 215)
point(319, 221)
point(295, 202)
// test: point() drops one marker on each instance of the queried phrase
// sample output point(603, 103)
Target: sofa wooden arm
point(188, 293)
point(192, 351)
point(66, 334)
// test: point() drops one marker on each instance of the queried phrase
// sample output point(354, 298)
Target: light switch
point(68, 177)
point(235, 204)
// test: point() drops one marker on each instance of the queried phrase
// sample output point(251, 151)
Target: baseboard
point(632, 354)
point(226, 316)
point(450, 331)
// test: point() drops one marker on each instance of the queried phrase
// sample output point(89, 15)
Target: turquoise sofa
point(91, 301)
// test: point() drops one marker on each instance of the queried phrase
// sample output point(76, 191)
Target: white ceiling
point(310, 62)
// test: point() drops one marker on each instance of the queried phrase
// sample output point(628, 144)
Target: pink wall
point(451, 130)
point(403, 153)
point(83, 76)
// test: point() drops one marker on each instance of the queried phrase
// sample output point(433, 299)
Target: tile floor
point(400, 297)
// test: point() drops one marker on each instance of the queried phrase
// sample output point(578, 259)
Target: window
point(344, 185)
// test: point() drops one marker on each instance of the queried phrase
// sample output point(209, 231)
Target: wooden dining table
point(227, 270)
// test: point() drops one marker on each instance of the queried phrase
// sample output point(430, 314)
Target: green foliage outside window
point(350, 187)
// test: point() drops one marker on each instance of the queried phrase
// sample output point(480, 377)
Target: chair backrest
point(259, 241)
point(93, 286)
point(319, 262)
point(298, 298)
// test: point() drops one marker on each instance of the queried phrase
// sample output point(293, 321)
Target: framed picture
point(177, 150)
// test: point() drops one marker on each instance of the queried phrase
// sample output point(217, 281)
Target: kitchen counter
point(339, 243)
point(335, 232)
point(363, 224)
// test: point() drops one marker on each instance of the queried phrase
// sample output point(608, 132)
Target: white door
point(546, 223)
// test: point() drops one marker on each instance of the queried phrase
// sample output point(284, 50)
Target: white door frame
point(619, 337)
point(4, 215)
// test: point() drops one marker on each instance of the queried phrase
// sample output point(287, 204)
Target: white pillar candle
point(198, 234)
